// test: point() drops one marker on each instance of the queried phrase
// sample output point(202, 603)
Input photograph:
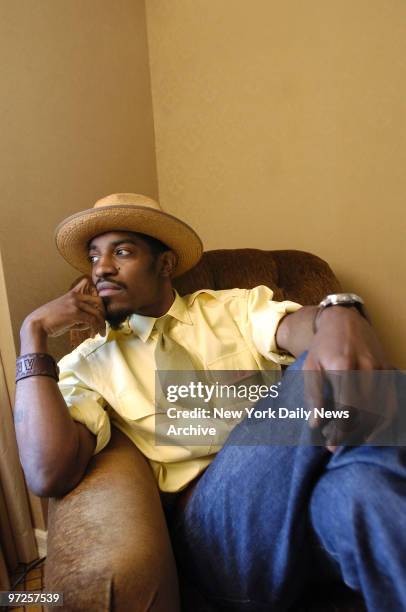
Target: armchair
point(108, 546)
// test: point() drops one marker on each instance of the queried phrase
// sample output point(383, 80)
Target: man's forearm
point(48, 438)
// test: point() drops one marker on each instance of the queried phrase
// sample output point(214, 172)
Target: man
point(256, 521)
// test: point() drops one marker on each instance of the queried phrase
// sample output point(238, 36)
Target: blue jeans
point(265, 521)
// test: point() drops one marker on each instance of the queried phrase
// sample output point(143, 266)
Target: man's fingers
point(360, 404)
point(92, 300)
point(89, 311)
point(87, 292)
point(326, 394)
point(84, 285)
point(313, 390)
point(346, 404)
point(82, 327)
point(97, 321)
point(86, 323)
point(367, 393)
point(80, 320)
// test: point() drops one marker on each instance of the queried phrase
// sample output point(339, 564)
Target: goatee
point(114, 319)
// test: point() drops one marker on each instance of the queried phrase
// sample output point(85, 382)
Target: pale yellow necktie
point(169, 353)
point(175, 367)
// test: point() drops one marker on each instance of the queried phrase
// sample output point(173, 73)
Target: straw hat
point(129, 212)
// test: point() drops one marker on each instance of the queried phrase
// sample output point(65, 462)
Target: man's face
point(126, 274)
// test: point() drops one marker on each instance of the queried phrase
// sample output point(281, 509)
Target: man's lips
point(106, 288)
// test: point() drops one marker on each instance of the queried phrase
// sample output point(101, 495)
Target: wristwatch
point(347, 300)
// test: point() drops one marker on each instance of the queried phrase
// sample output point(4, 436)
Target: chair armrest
point(108, 545)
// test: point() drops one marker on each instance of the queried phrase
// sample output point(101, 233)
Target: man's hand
point(344, 357)
point(80, 308)
point(54, 449)
point(346, 369)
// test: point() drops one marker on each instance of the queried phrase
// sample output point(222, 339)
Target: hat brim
point(73, 234)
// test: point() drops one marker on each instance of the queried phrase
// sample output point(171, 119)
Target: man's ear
point(168, 263)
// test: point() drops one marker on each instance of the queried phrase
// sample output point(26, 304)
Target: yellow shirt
point(111, 379)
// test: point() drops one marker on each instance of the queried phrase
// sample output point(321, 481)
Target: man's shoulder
point(260, 292)
point(217, 295)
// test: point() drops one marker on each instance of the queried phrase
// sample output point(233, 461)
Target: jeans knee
point(357, 506)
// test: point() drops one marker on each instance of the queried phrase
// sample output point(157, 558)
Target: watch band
point(346, 300)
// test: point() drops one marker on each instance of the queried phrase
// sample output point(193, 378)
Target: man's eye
point(92, 258)
point(122, 252)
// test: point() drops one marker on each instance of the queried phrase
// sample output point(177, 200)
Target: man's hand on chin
point(80, 308)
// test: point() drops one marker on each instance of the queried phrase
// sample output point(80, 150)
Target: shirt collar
point(142, 326)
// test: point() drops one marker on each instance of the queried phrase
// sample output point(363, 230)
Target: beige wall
point(76, 124)
point(278, 125)
point(282, 125)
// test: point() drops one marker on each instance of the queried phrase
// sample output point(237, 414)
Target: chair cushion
point(292, 275)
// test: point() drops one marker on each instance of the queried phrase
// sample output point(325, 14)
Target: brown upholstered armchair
point(108, 546)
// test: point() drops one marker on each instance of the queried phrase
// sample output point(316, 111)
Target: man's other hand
point(346, 358)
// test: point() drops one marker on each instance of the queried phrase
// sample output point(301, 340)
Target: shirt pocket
point(232, 368)
point(235, 377)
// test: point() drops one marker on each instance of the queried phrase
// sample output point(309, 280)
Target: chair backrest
point(292, 275)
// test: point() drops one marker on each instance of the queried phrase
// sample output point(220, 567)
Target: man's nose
point(104, 266)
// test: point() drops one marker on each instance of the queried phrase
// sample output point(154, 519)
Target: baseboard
point(41, 537)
